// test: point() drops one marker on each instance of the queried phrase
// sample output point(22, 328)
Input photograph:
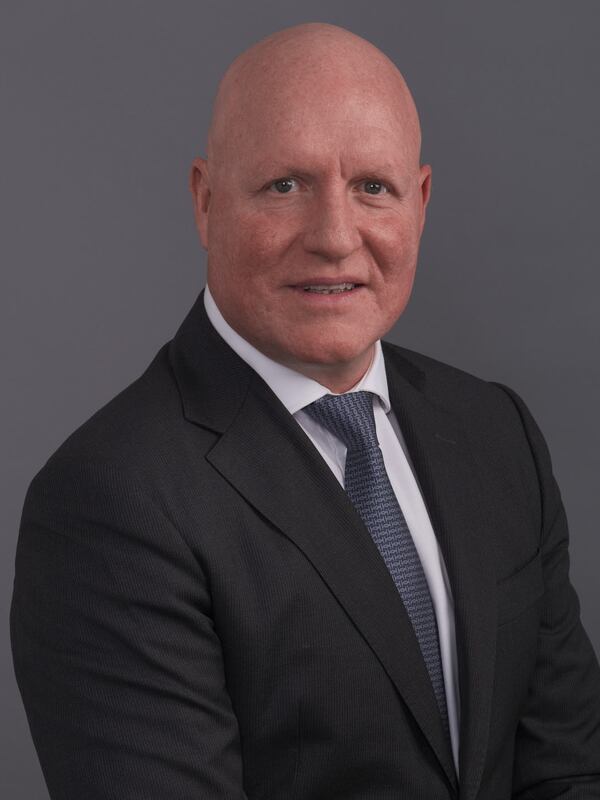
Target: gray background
point(104, 104)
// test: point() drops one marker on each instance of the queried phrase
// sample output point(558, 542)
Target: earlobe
point(199, 186)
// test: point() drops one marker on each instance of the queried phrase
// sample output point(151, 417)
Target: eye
point(283, 185)
point(374, 187)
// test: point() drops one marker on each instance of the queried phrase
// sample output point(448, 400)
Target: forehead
point(354, 128)
point(311, 155)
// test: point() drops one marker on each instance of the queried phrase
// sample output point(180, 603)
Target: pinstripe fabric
point(350, 418)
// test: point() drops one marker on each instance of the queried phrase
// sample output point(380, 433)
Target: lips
point(335, 288)
point(326, 286)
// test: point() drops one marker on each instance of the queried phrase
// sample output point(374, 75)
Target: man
point(288, 561)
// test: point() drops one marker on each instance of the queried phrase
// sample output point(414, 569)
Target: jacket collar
point(212, 380)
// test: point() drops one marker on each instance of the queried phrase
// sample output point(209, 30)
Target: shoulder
point(494, 418)
point(135, 437)
point(502, 434)
point(456, 390)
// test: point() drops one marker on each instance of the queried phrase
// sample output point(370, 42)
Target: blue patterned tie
point(350, 418)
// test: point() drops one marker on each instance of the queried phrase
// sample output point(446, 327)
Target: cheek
point(394, 248)
point(252, 244)
point(394, 245)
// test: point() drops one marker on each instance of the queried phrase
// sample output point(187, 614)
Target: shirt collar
point(292, 388)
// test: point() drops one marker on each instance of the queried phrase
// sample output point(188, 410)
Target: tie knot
point(348, 416)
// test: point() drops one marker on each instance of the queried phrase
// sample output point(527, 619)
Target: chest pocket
point(520, 590)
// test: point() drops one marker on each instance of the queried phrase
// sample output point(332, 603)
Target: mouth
point(333, 288)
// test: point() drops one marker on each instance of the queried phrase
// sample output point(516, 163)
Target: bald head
point(301, 67)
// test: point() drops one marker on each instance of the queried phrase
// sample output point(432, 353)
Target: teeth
point(335, 288)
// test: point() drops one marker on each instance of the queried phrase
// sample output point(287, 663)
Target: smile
point(335, 288)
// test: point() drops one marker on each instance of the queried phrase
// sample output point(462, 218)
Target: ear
point(200, 188)
point(425, 189)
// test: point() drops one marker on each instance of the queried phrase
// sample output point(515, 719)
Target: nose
point(331, 230)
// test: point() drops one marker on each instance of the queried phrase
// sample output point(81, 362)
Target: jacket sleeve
point(115, 652)
point(557, 750)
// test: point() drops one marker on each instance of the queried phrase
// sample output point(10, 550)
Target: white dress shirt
point(296, 391)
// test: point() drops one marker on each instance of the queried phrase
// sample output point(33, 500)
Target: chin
point(331, 353)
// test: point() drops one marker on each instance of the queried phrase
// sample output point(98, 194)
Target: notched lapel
point(267, 457)
point(450, 483)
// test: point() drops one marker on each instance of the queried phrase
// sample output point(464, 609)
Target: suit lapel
point(450, 484)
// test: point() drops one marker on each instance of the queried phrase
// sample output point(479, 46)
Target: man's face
point(312, 217)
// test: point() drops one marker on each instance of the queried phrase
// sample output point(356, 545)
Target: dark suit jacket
point(199, 612)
